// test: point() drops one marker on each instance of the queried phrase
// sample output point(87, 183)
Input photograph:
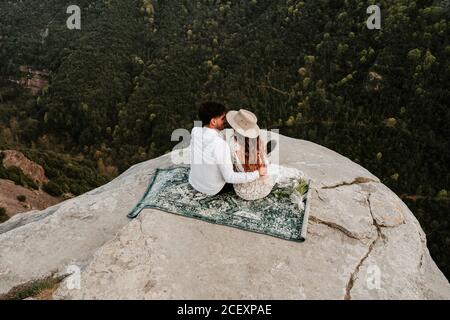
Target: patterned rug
point(275, 215)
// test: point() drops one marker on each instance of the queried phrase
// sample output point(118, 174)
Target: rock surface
point(28, 167)
point(362, 243)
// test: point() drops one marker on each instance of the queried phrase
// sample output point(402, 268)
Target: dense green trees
point(137, 69)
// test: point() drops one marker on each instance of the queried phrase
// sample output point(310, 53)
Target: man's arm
point(223, 158)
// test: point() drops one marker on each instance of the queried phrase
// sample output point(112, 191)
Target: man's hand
point(262, 171)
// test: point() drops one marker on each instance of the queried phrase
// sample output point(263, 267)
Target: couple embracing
point(229, 160)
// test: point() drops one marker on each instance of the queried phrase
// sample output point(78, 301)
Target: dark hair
point(209, 110)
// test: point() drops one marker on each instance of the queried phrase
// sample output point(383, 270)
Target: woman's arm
point(223, 158)
point(263, 153)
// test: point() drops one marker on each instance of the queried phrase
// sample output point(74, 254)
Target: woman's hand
point(262, 171)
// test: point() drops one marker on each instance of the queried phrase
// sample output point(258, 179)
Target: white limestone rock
point(362, 243)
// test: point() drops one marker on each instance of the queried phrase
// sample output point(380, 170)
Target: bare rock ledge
point(363, 243)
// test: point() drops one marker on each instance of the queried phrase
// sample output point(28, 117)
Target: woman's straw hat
point(244, 122)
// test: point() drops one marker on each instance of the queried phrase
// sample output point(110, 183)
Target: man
point(211, 165)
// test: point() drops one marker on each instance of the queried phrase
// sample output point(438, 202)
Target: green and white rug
point(276, 215)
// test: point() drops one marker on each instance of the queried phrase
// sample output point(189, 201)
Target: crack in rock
point(375, 223)
point(355, 273)
point(422, 255)
point(140, 225)
point(421, 262)
point(334, 226)
point(357, 180)
point(319, 196)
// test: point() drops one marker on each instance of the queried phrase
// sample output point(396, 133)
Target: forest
point(137, 70)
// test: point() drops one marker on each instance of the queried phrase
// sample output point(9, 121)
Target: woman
point(248, 154)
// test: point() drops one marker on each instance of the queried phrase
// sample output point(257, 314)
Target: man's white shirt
point(211, 163)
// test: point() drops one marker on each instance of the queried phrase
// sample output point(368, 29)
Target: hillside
point(138, 68)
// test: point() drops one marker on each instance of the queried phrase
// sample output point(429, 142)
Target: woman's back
point(249, 155)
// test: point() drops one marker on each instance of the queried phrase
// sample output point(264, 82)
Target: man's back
point(205, 175)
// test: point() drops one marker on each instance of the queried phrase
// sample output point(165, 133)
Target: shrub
point(17, 176)
point(3, 216)
point(52, 189)
point(33, 288)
